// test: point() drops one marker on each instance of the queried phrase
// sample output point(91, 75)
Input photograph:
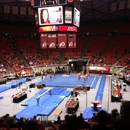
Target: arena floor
point(7, 106)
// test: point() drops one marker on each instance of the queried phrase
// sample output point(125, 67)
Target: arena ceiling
point(91, 11)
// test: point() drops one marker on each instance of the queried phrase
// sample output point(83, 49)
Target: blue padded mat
point(65, 93)
point(16, 82)
point(69, 81)
point(30, 102)
point(12, 84)
point(94, 84)
point(40, 92)
point(54, 100)
point(56, 90)
point(33, 102)
point(29, 111)
point(101, 87)
point(47, 103)
point(4, 88)
point(88, 112)
point(46, 111)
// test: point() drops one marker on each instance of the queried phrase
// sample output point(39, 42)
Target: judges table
point(73, 106)
point(19, 98)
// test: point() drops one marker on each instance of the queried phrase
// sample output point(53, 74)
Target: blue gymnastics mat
point(45, 107)
point(56, 90)
point(46, 111)
point(69, 81)
point(58, 95)
point(40, 92)
point(4, 88)
point(54, 100)
point(29, 112)
point(33, 101)
point(12, 84)
point(88, 112)
point(65, 93)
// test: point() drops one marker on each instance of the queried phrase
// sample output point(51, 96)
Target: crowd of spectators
point(101, 120)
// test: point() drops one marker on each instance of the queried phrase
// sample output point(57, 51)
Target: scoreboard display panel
point(68, 15)
point(50, 15)
point(76, 20)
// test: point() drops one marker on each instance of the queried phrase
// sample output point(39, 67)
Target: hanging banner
point(74, 38)
point(62, 39)
point(70, 41)
point(52, 40)
point(43, 41)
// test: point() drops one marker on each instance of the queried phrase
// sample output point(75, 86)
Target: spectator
point(102, 119)
point(58, 120)
point(94, 117)
point(32, 125)
point(82, 124)
point(63, 125)
point(114, 113)
point(22, 123)
point(122, 122)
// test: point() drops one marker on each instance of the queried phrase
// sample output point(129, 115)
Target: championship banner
point(70, 41)
point(74, 38)
point(43, 41)
point(52, 40)
point(62, 39)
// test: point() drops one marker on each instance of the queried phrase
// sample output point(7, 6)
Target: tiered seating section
point(4, 69)
point(97, 36)
point(10, 55)
point(118, 47)
point(30, 50)
point(125, 61)
point(95, 47)
point(51, 57)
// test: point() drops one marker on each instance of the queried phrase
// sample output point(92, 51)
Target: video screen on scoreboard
point(68, 15)
point(76, 20)
point(50, 15)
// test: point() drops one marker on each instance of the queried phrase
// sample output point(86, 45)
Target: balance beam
point(38, 98)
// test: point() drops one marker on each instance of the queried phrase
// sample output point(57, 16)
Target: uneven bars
point(38, 98)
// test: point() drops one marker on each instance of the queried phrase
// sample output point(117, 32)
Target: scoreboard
point(58, 22)
point(58, 15)
point(56, 12)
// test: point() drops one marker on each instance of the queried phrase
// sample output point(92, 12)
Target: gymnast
point(79, 76)
point(50, 76)
point(45, 74)
point(54, 73)
point(85, 77)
